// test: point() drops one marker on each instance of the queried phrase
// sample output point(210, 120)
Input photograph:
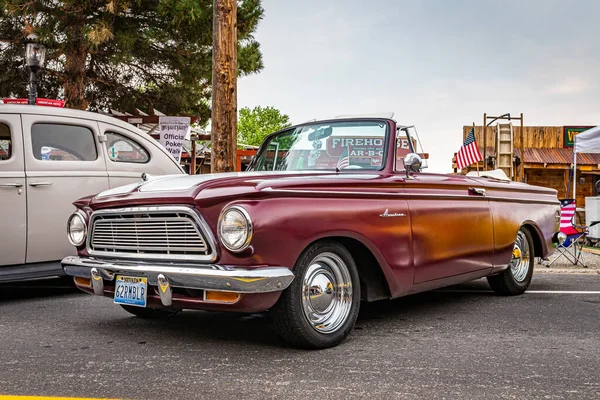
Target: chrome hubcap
point(327, 293)
point(521, 261)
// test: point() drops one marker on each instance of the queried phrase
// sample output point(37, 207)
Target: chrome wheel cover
point(327, 293)
point(521, 260)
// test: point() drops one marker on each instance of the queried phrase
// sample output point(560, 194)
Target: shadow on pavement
point(212, 328)
point(36, 288)
point(98, 316)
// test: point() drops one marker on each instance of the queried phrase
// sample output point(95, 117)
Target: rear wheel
point(517, 277)
point(150, 313)
point(320, 307)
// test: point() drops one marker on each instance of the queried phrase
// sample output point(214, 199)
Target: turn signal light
point(221, 297)
point(82, 281)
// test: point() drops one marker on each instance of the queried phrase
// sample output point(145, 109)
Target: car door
point(452, 226)
point(63, 162)
point(13, 197)
point(129, 155)
point(451, 220)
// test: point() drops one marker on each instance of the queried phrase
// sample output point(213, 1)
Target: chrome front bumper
point(165, 276)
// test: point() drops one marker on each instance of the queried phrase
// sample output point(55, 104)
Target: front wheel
point(517, 277)
point(320, 307)
point(149, 313)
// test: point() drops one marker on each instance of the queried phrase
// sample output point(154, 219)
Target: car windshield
point(345, 145)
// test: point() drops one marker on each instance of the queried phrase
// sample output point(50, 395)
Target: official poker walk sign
point(173, 131)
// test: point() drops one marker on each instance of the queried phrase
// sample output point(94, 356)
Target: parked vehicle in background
point(330, 213)
point(49, 157)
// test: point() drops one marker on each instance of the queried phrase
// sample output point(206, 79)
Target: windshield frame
point(388, 133)
point(408, 135)
point(406, 129)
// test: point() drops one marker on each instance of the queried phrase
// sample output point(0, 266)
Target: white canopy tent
point(585, 142)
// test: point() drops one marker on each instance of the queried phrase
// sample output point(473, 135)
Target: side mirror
point(412, 163)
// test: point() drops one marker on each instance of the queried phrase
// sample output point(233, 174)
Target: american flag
point(469, 152)
point(567, 211)
point(344, 160)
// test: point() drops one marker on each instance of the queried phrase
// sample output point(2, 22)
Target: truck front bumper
point(243, 280)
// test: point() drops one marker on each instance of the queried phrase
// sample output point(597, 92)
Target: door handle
point(34, 184)
point(15, 185)
point(477, 191)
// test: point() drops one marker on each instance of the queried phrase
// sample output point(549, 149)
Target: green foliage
point(122, 54)
point(255, 124)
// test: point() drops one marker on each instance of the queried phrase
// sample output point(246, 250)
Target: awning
point(587, 142)
point(547, 155)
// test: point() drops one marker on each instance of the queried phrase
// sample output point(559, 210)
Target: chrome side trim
point(497, 198)
point(411, 195)
point(201, 277)
point(197, 218)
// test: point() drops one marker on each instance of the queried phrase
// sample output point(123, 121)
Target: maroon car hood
point(209, 189)
point(191, 189)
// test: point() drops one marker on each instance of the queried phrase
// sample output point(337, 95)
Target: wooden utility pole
point(522, 150)
point(485, 165)
point(224, 86)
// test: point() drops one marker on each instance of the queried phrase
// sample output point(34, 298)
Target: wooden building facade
point(547, 158)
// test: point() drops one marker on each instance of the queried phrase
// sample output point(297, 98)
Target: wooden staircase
point(505, 149)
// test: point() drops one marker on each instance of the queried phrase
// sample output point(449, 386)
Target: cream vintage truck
point(50, 157)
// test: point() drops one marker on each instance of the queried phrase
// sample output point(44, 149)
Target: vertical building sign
point(173, 131)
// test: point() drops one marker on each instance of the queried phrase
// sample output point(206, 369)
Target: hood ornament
point(386, 214)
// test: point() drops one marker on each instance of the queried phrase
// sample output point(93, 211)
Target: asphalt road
point(458, 343)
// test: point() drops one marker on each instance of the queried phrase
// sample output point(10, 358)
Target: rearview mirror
point(320, 133)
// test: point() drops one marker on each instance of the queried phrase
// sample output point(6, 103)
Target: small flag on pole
point(469, 152)
point(344, 160)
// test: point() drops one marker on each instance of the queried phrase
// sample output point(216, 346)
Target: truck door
point(63, 162)
point(13, 197)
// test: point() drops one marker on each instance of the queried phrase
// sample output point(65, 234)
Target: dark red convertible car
point(330, 213)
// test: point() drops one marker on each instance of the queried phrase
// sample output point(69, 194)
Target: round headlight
point(235, 228)
point(561, 237)
point(76, 229)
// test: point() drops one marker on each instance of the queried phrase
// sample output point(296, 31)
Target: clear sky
point(436, 64)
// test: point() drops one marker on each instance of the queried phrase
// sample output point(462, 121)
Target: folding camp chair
point(572, 248)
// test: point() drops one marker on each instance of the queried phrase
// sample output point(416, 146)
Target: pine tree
point(122, 54)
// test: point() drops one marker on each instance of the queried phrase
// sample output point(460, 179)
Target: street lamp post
point(34, 59)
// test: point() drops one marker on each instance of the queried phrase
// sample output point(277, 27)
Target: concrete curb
point(580, 270)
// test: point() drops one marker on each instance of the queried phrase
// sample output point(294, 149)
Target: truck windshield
point(325, 146)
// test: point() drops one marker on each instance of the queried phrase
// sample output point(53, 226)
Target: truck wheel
point(149, 313)
point(517, 277)
point(320, 307)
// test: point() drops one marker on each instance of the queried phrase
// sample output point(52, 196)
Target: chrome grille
point(147, 233)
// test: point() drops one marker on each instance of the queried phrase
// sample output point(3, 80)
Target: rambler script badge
point(388, 215)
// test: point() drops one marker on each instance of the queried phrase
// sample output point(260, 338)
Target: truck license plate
point(131, 290)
